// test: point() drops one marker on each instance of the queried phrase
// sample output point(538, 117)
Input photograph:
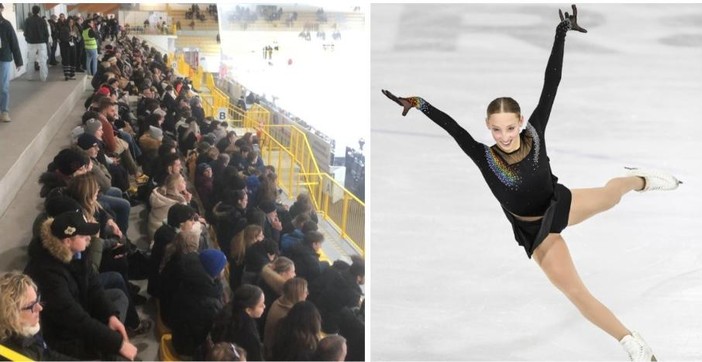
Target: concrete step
point(43, 114)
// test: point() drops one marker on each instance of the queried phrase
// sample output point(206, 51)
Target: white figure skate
point(637, 348)
point(655, 180)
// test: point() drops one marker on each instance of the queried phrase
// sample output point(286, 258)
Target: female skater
point(518, 173)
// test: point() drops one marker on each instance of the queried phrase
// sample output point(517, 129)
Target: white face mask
point(29, 331)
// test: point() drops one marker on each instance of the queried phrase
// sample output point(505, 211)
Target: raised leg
point(587, 203)
point(554, 259)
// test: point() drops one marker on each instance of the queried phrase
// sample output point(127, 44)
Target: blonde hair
point(243, 240)
point(83, 188)
point(185, 242)
point(170, 187)
point(294, 290)
point(13, 286)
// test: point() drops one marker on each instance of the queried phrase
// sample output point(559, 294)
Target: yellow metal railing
point(287, 148)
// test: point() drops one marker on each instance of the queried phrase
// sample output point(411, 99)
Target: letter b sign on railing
point(222, 114)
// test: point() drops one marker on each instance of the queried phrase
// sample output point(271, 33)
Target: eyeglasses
point(236, 354)
point(32, 305)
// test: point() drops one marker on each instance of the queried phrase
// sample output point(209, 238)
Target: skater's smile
point(505, 128)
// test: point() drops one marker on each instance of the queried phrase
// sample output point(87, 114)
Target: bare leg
point(554, 259)
point(587, 203)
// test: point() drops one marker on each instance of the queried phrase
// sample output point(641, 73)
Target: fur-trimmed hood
point(273, 279)
point(53, 245)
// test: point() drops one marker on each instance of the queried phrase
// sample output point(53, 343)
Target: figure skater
point(518, 173)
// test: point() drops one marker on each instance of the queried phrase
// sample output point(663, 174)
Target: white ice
point(448, 281)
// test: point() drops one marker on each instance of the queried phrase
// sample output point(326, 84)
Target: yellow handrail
point(290, 152)
point(12, 355)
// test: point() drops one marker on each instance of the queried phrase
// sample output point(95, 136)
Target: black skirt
point(530, 234)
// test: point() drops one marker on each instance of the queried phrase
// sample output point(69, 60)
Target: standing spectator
point(90, 40)
point(306, 256)
point(294, 291)
point(298, 334)
point(54, 39)
point(9, 51)
point(331, 348)
point(80, 46)
point(80, 318)
point(19, 318)
point(68, 35)
point(36, 33)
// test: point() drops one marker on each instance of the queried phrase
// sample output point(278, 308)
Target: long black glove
point(406, 105)
point(573, 19)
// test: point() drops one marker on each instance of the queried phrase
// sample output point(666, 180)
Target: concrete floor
point(448, 281)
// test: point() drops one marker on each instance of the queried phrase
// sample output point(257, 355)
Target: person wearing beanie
point(180, 217)
point(198, 300)
point(66, 164)
point(150, 141)
point(69, 286)
point(213, 261)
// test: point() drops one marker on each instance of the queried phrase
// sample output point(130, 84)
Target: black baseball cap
point(72, 223)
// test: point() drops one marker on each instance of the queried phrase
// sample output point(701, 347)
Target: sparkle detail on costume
point(502, 170)
point(418, 102)
point(536, 142)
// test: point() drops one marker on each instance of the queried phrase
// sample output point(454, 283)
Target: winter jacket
point(36, 30)
point(278, 311)
point(196, 303)
point(160, 203)
point(74, 320)
point(33, 347)
point(10, 46)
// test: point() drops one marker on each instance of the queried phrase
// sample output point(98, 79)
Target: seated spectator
point(20, 330)
point(294, 291)
point(236, 322)
point(80, 318)
point(162, 198)
point(198, 300)
point(150, 141)
point(110, 197)
point(180, 217)
point(331, 348)
point(67, 163)
point(225, 351)
point(237, 260)
point(171, 273)
point(226, 144)
point(298, 334)
point(306, 256)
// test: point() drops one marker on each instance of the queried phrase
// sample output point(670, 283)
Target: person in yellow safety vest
point(91, 46)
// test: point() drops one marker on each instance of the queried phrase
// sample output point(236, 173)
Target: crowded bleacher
point(233, 269)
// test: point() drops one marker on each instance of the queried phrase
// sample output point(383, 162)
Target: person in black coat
point(306, 256)
point(230, 218)
point(198, 299)
point(178, 216)
point(236, 322)
point(80, 319)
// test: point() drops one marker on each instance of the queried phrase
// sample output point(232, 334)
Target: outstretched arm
point(462, 137)
point(554, 68)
